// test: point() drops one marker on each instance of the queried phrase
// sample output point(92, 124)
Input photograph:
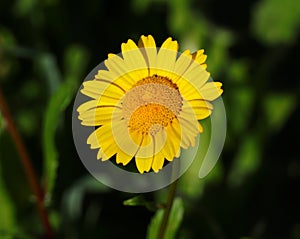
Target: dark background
point(47, 48)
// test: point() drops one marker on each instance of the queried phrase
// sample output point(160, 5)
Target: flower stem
point(170, 200)
point(25, 159)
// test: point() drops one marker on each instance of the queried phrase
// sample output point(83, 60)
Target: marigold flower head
point(147, 103)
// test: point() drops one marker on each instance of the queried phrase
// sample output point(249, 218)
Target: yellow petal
point(199, 56)
point(191, 110)
point(121, 70)
point(124, 139)
point(160, 139)
point(173, 141)
point(102, 137)
point(158, 162)
point(143, 164)
point(189, 125)
point(100, 134)
point(86, 106)
point(195, 75)
point(200, 103)
point(134, 59)
point(147, 147)
point(190, 131)
point(211, 90)
point(170, 44)
point(105, 75)
point(182, 64)
point(147, 41)
point(109, 148)
point(166, 57)
point(103, 89)
point(148, 49)
point(100, 115)
point(93, 140)
point(200, 127)
point(116, 64)
point(100, 154)
point(123, 157)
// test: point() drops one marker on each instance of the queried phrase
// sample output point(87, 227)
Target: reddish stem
point(25, 159)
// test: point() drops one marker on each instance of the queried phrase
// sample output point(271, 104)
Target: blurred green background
point(47, 47)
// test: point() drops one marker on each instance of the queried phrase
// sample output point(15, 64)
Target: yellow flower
point(147, 102)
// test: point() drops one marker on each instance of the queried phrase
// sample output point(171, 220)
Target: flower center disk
point(151, 104)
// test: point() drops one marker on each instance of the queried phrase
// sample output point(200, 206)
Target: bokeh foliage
point(48, 47)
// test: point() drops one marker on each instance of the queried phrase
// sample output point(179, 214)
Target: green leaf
point(140, 6)
point(47, 65)
point(242, 104)
point(141, 201)
point(246, 161)
point(135, 201)
point(153, 228)
point(218, 51)
point(73, 197)
point(7, 215)
point(277, 108)
point(174, 222)
point(276, 21)
point(189, 183)
point(75, 62)
point(24, 7)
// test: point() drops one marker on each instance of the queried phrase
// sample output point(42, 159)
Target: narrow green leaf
point(47, 64)
point(75, 64)
point(141, 201)
point(135, 201)
point(174, 222)
point(175, 219)
point(7, 215)
point(154, 225)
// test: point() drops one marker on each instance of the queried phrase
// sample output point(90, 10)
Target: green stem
point(25, 159)
point(170, 200)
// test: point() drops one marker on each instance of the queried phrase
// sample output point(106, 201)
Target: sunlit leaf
point(174, 222)
point(277, 108)
point(276, 21)
point(246, 161)
point(75, 64)
point(24, 7)
point(180, 17)
point(141, 201)
point(135, 201)
point(242, 102)
point(238, 71)
point(218, 51)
